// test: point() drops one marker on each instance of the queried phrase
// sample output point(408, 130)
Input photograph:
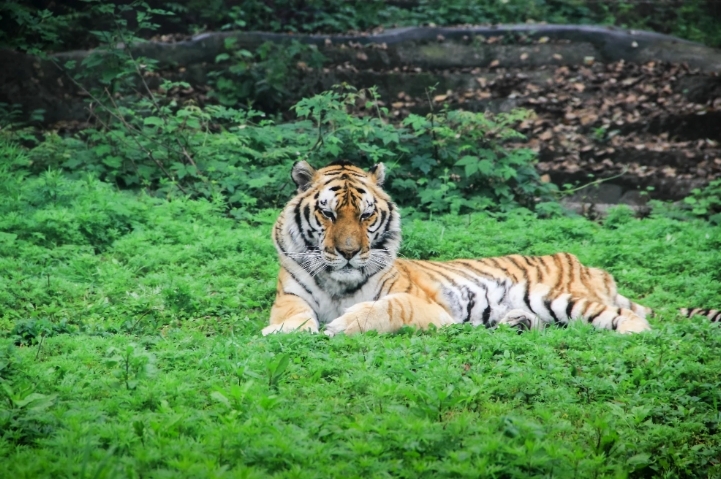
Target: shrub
point(706, 202)
point(451, 161)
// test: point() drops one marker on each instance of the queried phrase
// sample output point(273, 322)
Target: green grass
point(130, 347)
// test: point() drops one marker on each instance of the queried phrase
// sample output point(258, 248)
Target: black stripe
point(524, 273)
point(504, 288)
point(355, 289)
point(332, 216)
point(385, 238)
point(569, 309)
point(474, 269)
point(474, 279)
point(571, 269)
point(383, 284)
point(558, 263)
point(292, 294)
point(547, 303)
point(301, 284)
point(607, 282)
point(536, 267)
point(384, 216)
point(487, 313)
point(405, 271)
point(470, 305)
point(527, 299)
point(497, 265)
point(593, 317)
point(585, 274)
point(445, 276)
point(299, 224)
point(282, 249)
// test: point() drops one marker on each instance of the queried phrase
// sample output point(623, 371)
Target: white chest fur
point(323, 294)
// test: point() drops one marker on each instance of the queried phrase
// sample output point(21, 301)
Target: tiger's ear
point(302, 175)
point(378, 173)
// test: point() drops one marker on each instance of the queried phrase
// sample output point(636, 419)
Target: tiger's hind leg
point(624, 320)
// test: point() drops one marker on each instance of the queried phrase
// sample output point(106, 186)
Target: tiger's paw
point(346, 324)
point(360, 318)
point(521, 320)
point(633, 325)
point(337, 326)
point(291, 325)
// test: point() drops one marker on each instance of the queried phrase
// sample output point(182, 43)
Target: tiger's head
point(340, 226)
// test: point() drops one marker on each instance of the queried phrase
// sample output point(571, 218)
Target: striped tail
point(713, 315)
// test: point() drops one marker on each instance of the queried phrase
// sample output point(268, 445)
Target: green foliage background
point(131, 347)
point(50, 25)
point(452, 161)
point(136, 272)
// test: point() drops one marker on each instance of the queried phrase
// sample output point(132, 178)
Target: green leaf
point(470, 163)
point(485, 167)
point(280, 366)
point(639, 460)
point(153, 121)
point(37, 402)
point(113, 161)
point(222, 57)
point(220, 397)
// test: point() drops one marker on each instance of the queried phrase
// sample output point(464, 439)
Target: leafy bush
point(31, 331)
point(266, 78)
point(453, 161)
point(55, 211)
point(706, 202)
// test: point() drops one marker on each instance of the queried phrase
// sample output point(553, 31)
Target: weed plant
point(130, 346)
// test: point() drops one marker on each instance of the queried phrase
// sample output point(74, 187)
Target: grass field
point(130, 347)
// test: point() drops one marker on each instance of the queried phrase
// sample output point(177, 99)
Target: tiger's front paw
point(336, 326)
point(346, 324)
point(292, 324)
point(360, 318)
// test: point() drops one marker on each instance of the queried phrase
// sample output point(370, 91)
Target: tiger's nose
point(348, 253)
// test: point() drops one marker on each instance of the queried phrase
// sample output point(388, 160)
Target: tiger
point(338, 239)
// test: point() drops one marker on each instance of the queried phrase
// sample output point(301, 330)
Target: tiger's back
point(555, 288)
